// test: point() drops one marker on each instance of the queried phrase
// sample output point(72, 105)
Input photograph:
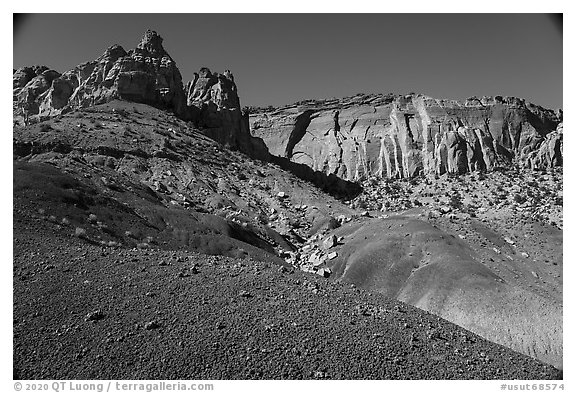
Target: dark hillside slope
point(84, 311)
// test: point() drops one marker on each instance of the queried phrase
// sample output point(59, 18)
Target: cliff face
point(146, 74)
point(404, 136)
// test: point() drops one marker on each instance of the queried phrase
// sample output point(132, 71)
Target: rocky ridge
point(146, 74)
point(402, 136)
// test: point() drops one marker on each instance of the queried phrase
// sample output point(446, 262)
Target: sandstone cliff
point(396, 136)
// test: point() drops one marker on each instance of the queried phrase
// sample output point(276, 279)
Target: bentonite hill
point(163, 231)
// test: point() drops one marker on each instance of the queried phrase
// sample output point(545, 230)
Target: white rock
point(317, 259)
point(323, 272)
point(329, 242)
point(509, 241)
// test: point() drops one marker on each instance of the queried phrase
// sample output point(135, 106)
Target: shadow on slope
point(139, 219)
point(331, 184)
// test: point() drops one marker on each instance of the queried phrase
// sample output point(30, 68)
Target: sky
point(279, 59)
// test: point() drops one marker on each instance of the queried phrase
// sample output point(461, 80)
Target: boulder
point(329, 242)
point(317, 259)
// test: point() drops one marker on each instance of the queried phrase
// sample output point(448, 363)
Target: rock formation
point(146, 74)
point(29, 84)
point(157, 181)
point(215, 106)
point(395, 136)
point(546, 152)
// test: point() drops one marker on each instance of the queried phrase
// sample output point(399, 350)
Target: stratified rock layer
point(394, 136)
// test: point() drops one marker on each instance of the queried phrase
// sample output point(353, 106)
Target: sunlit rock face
point(394, 136)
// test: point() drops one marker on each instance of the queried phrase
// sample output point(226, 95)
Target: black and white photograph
point(287, 196)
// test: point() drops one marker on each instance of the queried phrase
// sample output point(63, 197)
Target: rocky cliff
point(214, 104)
point(396, 136)
point(146, 74)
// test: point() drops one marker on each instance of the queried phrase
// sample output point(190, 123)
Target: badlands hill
point(125, 179)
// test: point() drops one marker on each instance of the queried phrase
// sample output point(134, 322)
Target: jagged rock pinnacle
point(151, 42)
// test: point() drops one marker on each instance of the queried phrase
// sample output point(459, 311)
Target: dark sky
point(282, 58)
